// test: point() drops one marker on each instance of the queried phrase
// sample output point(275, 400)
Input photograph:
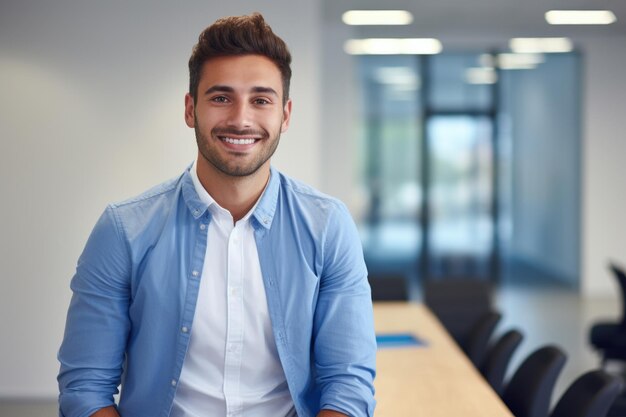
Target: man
point(233, 289)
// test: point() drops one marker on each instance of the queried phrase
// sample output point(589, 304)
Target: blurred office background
point(451, 164)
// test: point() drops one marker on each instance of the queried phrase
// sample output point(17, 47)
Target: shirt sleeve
point(344, 340)
point(93, 349)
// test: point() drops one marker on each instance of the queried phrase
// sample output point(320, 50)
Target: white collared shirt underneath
point(232, 366)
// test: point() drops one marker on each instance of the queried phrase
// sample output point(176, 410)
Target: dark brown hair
point(239, 35)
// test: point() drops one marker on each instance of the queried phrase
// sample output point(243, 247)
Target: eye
point(219, 99)
point(261, 101)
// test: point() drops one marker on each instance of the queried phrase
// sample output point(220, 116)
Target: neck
point(236, 194)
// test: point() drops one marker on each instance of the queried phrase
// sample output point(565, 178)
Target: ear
point(190, 114)
point(286, 116)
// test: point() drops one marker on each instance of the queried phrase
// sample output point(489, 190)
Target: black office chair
point(529, 391)
point(591, 395)
point(498, 357)
point(475, 346)
point(388, 287)
point(459, 304)
point(618, 408)
point(609, 338)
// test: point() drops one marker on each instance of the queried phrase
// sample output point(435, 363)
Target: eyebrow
point(228, 89)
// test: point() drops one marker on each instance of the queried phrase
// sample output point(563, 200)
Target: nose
point(240, 115)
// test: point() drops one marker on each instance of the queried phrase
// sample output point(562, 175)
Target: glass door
point(460, 238)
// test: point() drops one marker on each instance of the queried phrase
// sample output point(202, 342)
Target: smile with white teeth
point(238, 141)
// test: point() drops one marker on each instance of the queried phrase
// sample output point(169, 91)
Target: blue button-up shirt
point(136, 286)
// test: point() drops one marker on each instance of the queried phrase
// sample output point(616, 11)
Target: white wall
point(340, 109)
point(544, 107)
point(604, 162)
point(91, 111)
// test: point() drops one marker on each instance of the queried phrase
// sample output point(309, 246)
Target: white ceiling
point(496, 20)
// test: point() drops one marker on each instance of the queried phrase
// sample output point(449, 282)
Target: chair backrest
point(529, 391)
point(498, 357)
point(389, 287)
point(475, 346)
point(591, 395)
point(458, 303)
point(620, 275)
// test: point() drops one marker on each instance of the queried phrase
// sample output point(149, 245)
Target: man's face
point(239, 113)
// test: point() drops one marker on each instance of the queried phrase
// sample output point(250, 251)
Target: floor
point(546, 314)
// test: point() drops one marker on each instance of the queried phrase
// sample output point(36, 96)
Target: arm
point(326, 413)
point(107, 412)
point(93, 350)
point(344, 346)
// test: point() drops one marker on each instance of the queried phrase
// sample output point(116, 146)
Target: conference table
point(429, 376)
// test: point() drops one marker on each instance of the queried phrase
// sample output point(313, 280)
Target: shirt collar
point(199, 200)
point(266, 206)
point(190, 195)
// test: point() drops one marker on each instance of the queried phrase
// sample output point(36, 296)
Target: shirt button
point(202, 226)
point(266, 220)
point(173, 382)
point(195, 273)
point(185, 329)
point(196, 212)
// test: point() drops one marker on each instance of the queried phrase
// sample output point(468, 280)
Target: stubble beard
point(235, 169)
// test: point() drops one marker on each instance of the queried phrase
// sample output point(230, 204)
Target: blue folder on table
point(395, 340)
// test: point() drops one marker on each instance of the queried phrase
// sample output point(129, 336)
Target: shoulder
point(324, 218)
point(149, 197)
point(147, 210)
point(308, 197)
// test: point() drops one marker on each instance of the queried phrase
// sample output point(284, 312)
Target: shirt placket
point(234, 330)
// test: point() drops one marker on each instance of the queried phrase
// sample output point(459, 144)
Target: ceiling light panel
point(481, 75)
point(580, 17)
point(541, 45)
point(519, 61)
point(392, 46)
point(377, 17)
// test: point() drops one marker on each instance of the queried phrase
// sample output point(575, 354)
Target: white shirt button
point(173, 382)
point(202, 226)
point(195, 273)
point(185, 329)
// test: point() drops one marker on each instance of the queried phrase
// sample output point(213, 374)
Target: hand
point(331, 413)
point(106, 412)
